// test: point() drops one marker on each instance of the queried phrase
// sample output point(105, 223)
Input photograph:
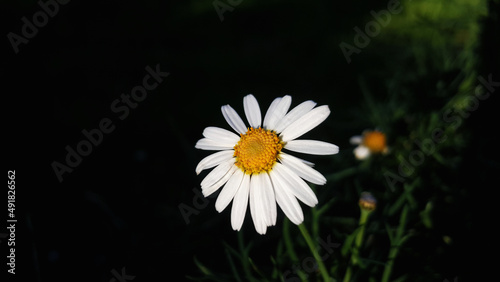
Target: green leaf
point(334, 177)
point(401, 278)
point(389, 233)
point(425, 215)
point(201, 267)
point(231, 250)
point(348, 241)
point(233, 267)
point(256, 269)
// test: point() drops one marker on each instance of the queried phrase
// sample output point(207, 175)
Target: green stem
point(348, 273)
point(288, 241)
point(395, 245)
point(314, 251)
point(357, 244)
point(289, 247)
point(244, 256)
point(362, 223)
point(233, 267)
point(341, 174)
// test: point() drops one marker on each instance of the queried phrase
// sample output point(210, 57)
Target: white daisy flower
point(371, 142)
point(253, 168)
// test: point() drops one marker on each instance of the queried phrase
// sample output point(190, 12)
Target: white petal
point(312, 147)
point(209, 144)
point(305, 123)
point(233, 119)
point(221, 135)
point(270, 110)
point(307, 163)
point(294, 114)
point(257, 205)
point(361, 152)
point(269, 200)
point(304, 171)
point(240, 202)
point(296, 185)
point(213, 160)
point(286, 200)
point(355, 140)
point(217, 173)
point(252, 111)
point(278, 112)
point(229, 190)
point(207, 191)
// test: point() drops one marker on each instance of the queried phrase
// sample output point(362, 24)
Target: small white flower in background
point(253, 167)
point(371, 142)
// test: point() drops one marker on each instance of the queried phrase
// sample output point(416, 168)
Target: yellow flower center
point(375, 141)
point(257, 150)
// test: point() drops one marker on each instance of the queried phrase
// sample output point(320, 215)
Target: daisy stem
point(359, 237)
point(290, 249)
point(358, 240)
point(244, 256)
point(233, 267)
point(314, 251)
point(396, 244)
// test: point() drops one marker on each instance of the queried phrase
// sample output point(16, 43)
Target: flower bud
point(367, 201)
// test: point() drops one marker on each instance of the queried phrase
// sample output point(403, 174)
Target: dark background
point(120, 206)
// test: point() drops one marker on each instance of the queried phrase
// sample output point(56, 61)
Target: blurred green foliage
point(418, 85)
